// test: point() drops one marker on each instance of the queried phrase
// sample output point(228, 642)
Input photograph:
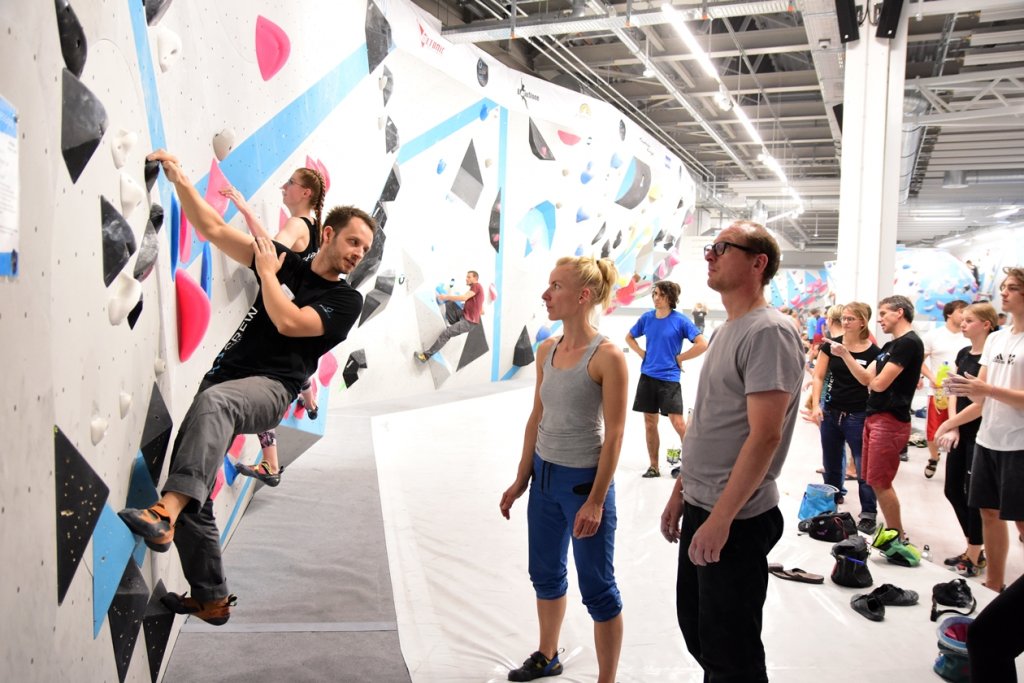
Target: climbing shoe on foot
point(215, 612)
point(536, 666)
point(153, 524)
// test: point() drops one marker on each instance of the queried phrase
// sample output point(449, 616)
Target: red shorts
point(884, 438)
point(935, 418)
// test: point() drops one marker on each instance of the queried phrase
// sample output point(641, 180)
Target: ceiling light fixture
point(676, 19)
point(1006, 212)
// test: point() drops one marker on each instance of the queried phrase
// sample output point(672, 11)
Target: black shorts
point(658, 396)
point(997, 479)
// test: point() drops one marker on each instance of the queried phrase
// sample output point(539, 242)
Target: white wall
point(68, 367)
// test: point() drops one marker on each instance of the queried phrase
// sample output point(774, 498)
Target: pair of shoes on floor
point(215, 612)
point(872, 605)
point(929, 469)
point(153, 524)
point(651, 473)
point(536, 666)
point(311, 413)
point(866, 525)
point(895, 549)
point(675, 472)
point(421, 357)
point(261, 472)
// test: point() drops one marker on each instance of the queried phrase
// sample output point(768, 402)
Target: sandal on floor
point(929, 469)
point(799, 575)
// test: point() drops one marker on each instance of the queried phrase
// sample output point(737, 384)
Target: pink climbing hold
point(215, 184)
point(317, 165)
point(328, 366)
point(235, 449)
point(492, 292)
point(272, 47)
point(184, 240)
point(281, 220)
point(568, 138)
point(626, 294)
point(193, 314)
point(218, 484)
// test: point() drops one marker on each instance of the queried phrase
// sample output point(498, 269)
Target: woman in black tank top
point(303, 196)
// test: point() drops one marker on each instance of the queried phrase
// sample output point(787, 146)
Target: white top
point(1002, 426)
point(941, 346)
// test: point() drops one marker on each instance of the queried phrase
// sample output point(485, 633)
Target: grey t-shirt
point(758, 352)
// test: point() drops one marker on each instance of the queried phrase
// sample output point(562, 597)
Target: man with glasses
point(726, 497)
point(658, 389)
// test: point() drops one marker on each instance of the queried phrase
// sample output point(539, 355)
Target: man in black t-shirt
point(302, 311)
point(891, 380)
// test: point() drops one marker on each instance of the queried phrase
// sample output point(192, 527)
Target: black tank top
point(314, 242)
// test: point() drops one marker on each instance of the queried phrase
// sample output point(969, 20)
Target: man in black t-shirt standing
point(891, 381)
point(302, 311)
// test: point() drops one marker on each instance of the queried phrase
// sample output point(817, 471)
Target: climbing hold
point(272, 47)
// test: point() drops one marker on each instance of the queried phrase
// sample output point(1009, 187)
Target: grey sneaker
point(866, 525)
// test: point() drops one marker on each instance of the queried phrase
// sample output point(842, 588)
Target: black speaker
point(889, 18)
point(837, 110)
point(846, 15)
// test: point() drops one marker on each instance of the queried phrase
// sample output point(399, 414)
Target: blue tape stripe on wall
point(442, 130)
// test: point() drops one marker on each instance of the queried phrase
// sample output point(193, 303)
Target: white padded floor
point(466, 608)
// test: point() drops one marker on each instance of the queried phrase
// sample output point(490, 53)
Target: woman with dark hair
point(303, 196)
point(568, 461)
point(957, 436)
point(839, 405)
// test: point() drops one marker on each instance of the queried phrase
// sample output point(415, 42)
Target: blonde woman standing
point(568, 461)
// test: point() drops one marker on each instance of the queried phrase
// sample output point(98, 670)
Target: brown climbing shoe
point(152, 523)
point(215, 612)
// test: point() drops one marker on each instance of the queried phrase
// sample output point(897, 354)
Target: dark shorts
point(658, 396)
point(997, 480)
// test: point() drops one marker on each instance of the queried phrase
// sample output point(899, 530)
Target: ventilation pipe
point(952, 180)
point(913, 105)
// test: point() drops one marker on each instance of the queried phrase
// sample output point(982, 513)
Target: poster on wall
point(8, 190)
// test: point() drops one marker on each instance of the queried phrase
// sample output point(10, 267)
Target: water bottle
point(926, 553)
point(941, 400)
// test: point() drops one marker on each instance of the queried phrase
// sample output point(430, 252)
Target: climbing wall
point(118, 308)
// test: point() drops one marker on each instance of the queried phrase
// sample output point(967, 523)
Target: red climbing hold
point(328, 366)
point(215, 183)
point(568, 138)
point(193, 314)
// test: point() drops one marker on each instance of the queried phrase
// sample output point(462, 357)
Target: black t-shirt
point(698, 318)
point(842, 391)
point(258, 349)
point(967, 362)
point(908, 353)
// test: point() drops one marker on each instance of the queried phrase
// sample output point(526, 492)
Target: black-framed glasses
point(720, 247)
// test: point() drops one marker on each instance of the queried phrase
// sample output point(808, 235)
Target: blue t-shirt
point(664, 342)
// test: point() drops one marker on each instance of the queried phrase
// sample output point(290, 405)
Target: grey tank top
point(572, 427)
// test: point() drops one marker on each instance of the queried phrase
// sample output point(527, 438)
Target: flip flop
point(775, 567)
point(797, 574)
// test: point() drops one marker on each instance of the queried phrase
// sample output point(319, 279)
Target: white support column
point(870, 166)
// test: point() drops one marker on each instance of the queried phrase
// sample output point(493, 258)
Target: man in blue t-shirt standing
point(658, 390)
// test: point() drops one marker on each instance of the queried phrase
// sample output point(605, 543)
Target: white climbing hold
point(97, 429)
point(132, 194)
point(125, 401)
point(160, 366)
point(223, 143)
point(121, 144)
point(125, 293)
point(168, 48)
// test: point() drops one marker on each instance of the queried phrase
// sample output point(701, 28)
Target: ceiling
point(781, 62)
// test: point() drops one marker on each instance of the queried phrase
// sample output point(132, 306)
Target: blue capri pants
point(556, 495)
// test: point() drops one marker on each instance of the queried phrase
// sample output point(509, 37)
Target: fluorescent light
point(939, 219)
point(692, 45)
point(773, 165)
point(748, 125)
point(1006, 212)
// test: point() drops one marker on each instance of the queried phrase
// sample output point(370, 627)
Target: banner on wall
point(8, 189)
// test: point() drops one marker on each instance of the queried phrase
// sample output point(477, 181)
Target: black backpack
point(829, 527)
point(955, 596)
point(851, 568)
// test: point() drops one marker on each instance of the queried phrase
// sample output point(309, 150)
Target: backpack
point(829, 527)
point(955, 596)
point(851, 568)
